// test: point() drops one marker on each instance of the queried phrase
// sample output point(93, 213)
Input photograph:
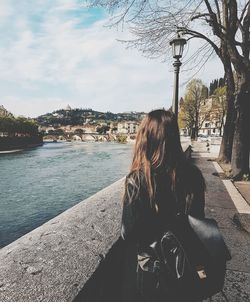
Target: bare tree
point(223, 26)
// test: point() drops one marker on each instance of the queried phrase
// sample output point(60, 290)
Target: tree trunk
point(228, 134)
point(241, 141)
point(196, 132)
point(193, 133)
point(227, 139)
point(196, 127)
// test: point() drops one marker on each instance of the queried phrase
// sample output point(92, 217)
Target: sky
point(55, 53)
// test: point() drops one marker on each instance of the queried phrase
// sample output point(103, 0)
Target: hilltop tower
point(68, 108)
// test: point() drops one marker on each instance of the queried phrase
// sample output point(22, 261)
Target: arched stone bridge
point(89, 137)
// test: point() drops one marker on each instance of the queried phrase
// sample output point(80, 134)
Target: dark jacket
point(141, 223)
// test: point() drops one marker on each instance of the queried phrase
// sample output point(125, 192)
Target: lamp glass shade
point(178, 47)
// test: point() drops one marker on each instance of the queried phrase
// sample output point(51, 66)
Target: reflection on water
point(38, 184)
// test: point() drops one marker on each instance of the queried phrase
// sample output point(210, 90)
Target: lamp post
point(177, 49)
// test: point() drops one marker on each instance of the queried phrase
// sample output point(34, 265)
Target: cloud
point(59, 53)
point(35, 103)
point(5, 11)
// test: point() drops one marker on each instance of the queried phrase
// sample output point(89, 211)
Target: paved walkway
point(244, 189)
point(220, 206)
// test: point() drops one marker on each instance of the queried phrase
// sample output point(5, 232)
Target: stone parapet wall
point(54, 261)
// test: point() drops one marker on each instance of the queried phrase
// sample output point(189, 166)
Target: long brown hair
point(157, 147)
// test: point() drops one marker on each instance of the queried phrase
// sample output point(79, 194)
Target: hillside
point(79, 116)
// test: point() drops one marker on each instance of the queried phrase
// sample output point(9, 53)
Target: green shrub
point(122, 139)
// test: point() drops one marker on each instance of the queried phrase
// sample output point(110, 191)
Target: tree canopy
point(215, 84)
point(20, 125)
point(195, 95)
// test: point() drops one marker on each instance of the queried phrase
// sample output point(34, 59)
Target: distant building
point(4, 112)
point(103, 123)
point(68, 129)
point(89, 128)
point(129, 127)
point(212, 115)
point(131, 116)
point(112, 128)
point(57, 115)
point(210, 128)
point(50, 128)
point(121, 128)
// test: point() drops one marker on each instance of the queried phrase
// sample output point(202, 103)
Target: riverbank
point(18, 143)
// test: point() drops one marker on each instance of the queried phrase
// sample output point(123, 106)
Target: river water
point(38, 184)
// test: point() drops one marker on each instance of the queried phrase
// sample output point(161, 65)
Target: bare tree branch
point(153, 24)
point(197, 34)
point(243, 12)
point(218, 12)
point(214, 22)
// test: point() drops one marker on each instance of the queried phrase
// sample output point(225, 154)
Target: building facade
point(4, 112)
point(129, 127)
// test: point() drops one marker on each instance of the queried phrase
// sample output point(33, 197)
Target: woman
point(161, 183)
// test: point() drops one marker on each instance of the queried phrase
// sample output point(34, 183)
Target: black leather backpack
point(186, 263)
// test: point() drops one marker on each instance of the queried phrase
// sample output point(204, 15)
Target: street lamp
point(177, 49)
